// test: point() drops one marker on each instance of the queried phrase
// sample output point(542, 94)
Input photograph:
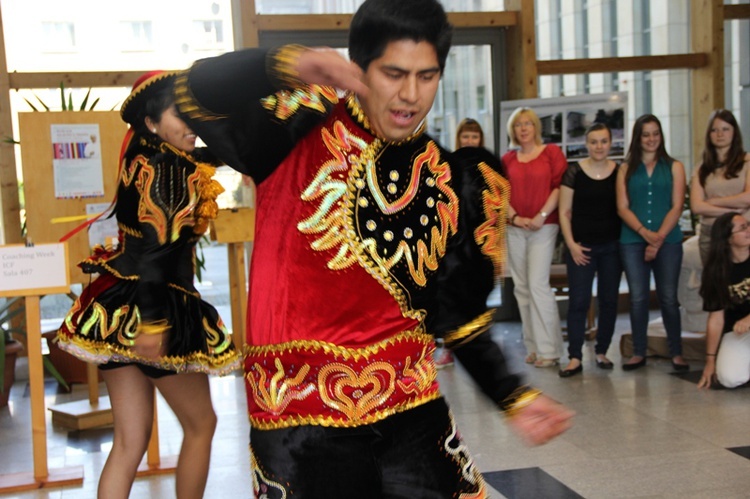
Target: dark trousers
point(416, 453)
point(604, 263)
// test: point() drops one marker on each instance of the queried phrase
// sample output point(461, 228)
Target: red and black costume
point(165, 198)
point(364, 249)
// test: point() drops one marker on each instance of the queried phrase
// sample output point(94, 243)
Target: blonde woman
point(534, 171)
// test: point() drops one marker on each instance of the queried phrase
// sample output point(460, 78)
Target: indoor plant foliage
point(9, 347)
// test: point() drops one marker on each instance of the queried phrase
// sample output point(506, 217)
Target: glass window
point(208, 34)
point(350, 6)
point(59, 36)
point(136, 35)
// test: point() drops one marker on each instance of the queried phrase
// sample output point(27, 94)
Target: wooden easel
point(34, 129)
point(42, 476)
point(235, 227)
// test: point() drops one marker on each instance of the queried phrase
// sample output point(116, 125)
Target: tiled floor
point(647, 433)
point(643, 434)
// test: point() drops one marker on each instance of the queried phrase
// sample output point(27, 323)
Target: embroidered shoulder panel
point(381, 218)
point(490, 235)
point(285, 103)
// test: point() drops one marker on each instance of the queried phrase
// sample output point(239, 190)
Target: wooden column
point(245, 18)
point(521, 52)
point(707, 29)
point(11, 209)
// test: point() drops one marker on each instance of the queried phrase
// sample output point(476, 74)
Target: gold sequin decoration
point(430, 202)
point(363, 202)
point(279, 394)
point(424, 220)
point(388, 235)
point(490, 235)
point(392, 189)
point(394, 175)
point(371, 225)
point(408, 233)
point(376, 383)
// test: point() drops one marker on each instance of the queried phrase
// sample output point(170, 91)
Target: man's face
point(403, 83)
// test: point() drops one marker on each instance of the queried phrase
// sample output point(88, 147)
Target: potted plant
point(10, 348)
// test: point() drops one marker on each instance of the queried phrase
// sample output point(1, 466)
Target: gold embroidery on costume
point(186, 101)
point(285, 103)
point(329, 188)
point(490, 235)
point(100, 318)
point(447, 213)
point(128, 170)
point(129, 332)
point(261, 483)
point(214, 338)
point(471, 330)
point(148, 211)
point(459, 452)
point(356, 394)
point(277, 397)
point(423, 373)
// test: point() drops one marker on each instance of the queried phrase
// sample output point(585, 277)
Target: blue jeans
point(666, 269)
point(605, 264)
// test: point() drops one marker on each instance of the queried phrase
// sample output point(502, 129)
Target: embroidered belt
point(318, 383)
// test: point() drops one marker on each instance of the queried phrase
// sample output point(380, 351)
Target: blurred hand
point(536, 223)
point(325, 66)
point(652, 238)
point(650, 254)
point(541, 420)
point(151, 346)
point(742, 326)
point(578, 254)
point(708, 376)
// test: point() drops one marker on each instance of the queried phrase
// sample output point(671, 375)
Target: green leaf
point(62, 95)
point(85, 100)
point(70, 101)
point(30, 104)
point(45, 106)
point(93, 104)
point(55, 373)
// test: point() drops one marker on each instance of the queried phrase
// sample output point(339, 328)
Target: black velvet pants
point(413, 454)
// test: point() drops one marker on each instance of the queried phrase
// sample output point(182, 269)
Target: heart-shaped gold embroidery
point(367, 390)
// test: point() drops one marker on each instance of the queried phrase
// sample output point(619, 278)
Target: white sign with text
point(29, 270)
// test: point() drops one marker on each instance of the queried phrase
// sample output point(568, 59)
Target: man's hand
point(541, 420)
point(325, 66)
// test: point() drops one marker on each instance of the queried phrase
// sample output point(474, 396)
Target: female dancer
point(142, 320)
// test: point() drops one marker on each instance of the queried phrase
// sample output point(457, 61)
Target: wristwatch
point(544, 214)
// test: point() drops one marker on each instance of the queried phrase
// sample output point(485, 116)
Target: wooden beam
point(612, 64)
point(11, 208)
point(341, 22)
point(707, 35)
point(736, 12)
point(521, 66)
point(245, 24)
point(74, 79)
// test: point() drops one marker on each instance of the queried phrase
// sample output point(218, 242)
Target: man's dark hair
point(379, 22)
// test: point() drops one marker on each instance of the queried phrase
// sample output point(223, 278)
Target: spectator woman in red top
point(534, 171)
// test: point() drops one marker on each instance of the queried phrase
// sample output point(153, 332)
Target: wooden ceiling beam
point(615, 64)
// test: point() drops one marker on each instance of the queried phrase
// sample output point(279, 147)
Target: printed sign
point(34, 270)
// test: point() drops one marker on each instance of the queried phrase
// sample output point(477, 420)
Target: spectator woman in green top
point(650, 197)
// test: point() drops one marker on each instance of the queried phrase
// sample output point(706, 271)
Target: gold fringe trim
point(339, 351)
point(520, 398)
point(281, 66)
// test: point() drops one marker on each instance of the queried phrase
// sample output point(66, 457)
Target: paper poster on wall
point(77, 161)
point(104, 231)
point(565, 120)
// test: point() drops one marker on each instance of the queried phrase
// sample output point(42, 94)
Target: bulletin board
point(37, 156)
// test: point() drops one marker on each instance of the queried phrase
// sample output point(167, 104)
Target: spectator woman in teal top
point(650, 198)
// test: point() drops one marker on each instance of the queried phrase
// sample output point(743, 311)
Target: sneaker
point(444, 359)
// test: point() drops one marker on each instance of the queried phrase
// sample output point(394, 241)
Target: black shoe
point(634, 365)
point(680, 367)
point(604, 364)
point(567, 373)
